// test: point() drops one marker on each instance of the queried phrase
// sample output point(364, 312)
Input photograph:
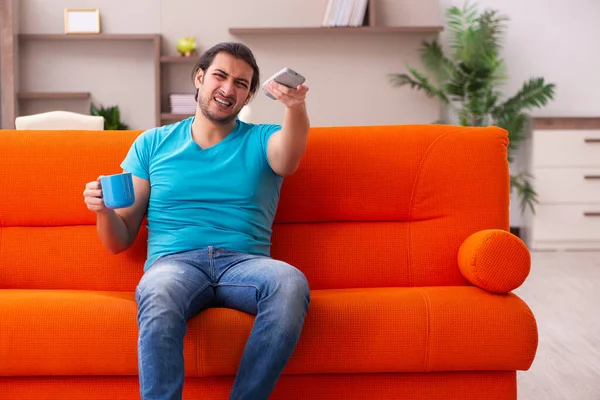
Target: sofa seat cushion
point(56, 332)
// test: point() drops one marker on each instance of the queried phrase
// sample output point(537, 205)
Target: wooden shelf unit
point(369, 26)
point(160, 62)
point(53, 95)
point(166, 63)
point(155, 39)
point(561, 123)
point(336, 30)
point(178, 60)
point(78, 37)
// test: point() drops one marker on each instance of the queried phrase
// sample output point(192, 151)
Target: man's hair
point(237, 50)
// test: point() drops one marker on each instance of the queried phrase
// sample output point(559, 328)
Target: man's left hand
point(292, 98)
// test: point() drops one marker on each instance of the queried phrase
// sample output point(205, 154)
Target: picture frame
point(82, 21)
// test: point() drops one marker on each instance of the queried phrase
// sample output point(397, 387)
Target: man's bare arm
point(286, 147)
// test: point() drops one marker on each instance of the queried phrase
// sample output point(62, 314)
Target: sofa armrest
point(494, 260)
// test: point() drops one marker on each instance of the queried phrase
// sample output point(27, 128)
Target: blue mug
point(117, 190)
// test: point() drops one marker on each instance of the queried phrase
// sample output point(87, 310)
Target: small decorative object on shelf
point(186, 46)
point(82, 20)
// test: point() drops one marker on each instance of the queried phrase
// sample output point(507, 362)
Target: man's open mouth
point(226, 103)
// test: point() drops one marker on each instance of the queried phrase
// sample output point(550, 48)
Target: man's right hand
point(93, 197)
point(118, 228)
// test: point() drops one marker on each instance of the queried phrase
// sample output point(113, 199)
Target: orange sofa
point(402, 232)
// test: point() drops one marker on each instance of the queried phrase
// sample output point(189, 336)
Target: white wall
point(557, 40)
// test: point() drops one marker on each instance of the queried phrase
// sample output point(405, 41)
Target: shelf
point(178, 60)
point(334, 30)
point(102, 36)
point(53, 95)
point(167, 116)
point(544, 123)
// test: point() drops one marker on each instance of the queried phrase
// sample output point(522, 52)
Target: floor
point(563, 291)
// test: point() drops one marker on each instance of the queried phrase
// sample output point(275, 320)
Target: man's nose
point(227, 88)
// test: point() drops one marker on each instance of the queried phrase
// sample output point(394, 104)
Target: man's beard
point(211, 116)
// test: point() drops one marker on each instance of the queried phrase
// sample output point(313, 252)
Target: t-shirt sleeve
point(266, 131)
point(137, 160)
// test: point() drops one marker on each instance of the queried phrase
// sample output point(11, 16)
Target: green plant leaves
point(522, 183)
point(434, 60)
point(418, 81)
point(535, 93)
point(112, 117)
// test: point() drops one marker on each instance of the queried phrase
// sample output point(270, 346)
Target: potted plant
point(468, 83)
point(112, 117)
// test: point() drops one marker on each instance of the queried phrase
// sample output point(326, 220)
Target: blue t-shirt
point(225, 196)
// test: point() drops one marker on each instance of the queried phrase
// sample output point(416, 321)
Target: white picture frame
point(82, 20)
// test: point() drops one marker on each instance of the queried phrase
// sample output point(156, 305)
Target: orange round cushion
point(494, 260)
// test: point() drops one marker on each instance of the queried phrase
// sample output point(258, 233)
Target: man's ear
point(199, 78)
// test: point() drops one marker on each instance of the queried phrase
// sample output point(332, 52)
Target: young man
point(210, 186)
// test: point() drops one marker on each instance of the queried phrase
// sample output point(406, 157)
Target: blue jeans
point(178, 286)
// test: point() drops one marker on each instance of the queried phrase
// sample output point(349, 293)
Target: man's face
point(224, 88)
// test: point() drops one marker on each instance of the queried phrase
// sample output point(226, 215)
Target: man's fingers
point(93, 185)
point(288, 96)
point(298, 93)
point(92, 196)
point(302, 89)
point(94, 201)
point(92, 193)
point(276, 89)
point(283, 90)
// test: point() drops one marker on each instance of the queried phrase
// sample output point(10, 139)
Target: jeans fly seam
point(211, 263)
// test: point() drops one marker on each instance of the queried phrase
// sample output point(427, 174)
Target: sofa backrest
point(368, 207)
